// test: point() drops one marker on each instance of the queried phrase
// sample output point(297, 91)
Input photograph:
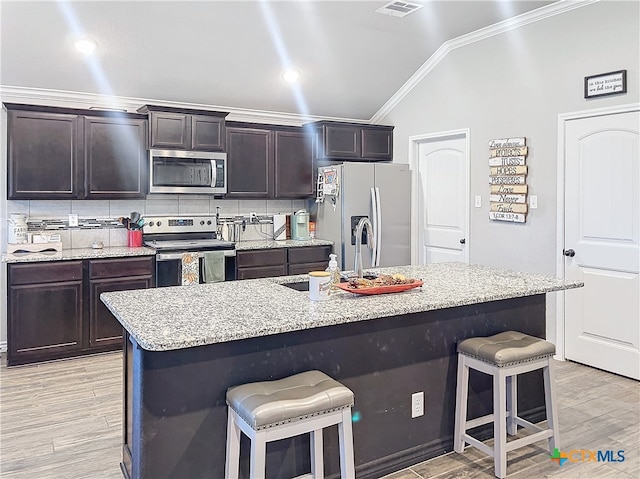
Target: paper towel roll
point(279, 227)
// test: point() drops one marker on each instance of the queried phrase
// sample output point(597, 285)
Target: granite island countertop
point(76, 254)
point(181, 317)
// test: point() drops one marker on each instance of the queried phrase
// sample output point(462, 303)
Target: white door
point(602, 238)
point(443, 204)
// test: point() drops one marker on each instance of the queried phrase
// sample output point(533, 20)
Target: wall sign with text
point(612, 83)
point(508, 179)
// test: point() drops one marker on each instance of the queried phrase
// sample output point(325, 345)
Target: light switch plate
point(478, 201)
point(533, 202)
point(73, 220)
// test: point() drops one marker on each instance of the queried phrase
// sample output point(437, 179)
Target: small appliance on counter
point(300, 225)
point(279, 227)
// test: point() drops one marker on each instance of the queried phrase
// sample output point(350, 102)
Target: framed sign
point(612, 83)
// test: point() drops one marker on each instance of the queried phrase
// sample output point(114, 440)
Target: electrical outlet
point(417, 404)
point(533, 201)
point(478, 201)
point(73, 220)
point(253, 217)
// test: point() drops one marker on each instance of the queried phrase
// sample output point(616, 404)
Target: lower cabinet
point(261, 263)
point(54, 309)
point(313, 258)
point(264, 263)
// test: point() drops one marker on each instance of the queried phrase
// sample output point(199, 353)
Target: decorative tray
point(392, 288)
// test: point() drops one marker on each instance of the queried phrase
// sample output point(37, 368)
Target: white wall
point(515, 84)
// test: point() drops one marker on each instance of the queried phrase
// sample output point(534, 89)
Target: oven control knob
point(202, 222)
point(151, 223)
point(159, 223)
point(209, 222)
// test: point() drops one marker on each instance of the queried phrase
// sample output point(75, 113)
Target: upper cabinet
point(267, 161)
point(185, 129)
point(353, 141)
point(58, 153)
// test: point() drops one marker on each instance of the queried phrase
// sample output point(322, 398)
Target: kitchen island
point(186, 345)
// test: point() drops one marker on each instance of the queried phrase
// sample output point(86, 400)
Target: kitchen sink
point(299, 286)
point(304, 285)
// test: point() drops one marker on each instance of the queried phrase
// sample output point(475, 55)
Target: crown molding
point(536, 15)
point(71, 99)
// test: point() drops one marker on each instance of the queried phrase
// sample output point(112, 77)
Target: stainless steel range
point(172, 236)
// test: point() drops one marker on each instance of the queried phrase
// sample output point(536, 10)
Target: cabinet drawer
point(305, 268)
point(261, 257)
point(309, 254)
point(262, 272)
point(45, 272)
point(121, 267)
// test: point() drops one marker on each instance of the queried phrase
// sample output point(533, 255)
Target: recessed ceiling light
point(86, 46)
point(291, 76)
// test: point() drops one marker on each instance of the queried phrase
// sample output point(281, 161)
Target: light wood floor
point(63, 420)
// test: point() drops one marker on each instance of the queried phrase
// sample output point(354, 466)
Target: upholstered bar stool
point(504, 356)
point(272, 410)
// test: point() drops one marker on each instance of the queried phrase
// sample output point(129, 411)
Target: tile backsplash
point(152, 205)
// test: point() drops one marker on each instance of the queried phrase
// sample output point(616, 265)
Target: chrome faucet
point(362, 224)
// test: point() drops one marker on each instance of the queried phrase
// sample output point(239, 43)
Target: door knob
point(463, 241)
point(568, 252)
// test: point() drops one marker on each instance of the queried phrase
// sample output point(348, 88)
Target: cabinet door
point(104, 329)
point(377, 143)
point(310, 254)
point(43, 160)
point(115, 157)
point(207, 133)
point(170, 130)
point(249, 162)
point(44, 318)
point(341, 141)
point(294, 175)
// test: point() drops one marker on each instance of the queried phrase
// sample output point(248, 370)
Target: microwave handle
point(214, 172)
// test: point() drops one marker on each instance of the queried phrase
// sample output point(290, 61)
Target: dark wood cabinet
point(105, 275)
point(54, 308)
point(294, 163)
point(43, 155)
point(185, 129)
point(115, 157)
point(269, 161)
point(261, 263)
point(60, 153)
point(353, 141)
point(312, 258)
point(249, 162)
point(45, 304)
point(264, 263)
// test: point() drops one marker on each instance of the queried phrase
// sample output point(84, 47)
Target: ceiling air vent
point(399, 9)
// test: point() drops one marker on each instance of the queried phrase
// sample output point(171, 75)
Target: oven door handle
point(175, 256)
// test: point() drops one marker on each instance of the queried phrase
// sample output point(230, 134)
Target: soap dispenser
point(333, 270)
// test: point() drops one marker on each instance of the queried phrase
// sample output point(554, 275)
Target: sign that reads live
point(507, 176)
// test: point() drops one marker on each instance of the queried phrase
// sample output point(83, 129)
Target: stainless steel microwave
point(177, 171)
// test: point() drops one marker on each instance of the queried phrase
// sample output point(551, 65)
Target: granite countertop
point(186, 316)
point(78, 253)
point(114, 252)
point(270, 244)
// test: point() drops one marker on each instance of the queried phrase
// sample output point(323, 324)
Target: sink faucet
point(362, 224)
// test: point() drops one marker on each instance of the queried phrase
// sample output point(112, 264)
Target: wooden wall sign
point(507, 177)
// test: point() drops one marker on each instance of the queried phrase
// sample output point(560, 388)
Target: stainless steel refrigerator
point(380, 191)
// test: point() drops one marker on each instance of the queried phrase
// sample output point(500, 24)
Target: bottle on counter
point(334, 271)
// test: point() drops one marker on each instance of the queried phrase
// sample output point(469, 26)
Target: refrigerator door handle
point(374, 222)
point(378, 227)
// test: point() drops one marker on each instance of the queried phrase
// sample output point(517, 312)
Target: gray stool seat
point(504, 356)
point(304, 403)
point(507, 348)
point(271, 403)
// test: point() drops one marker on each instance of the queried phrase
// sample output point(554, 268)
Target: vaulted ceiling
point(232, 53)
